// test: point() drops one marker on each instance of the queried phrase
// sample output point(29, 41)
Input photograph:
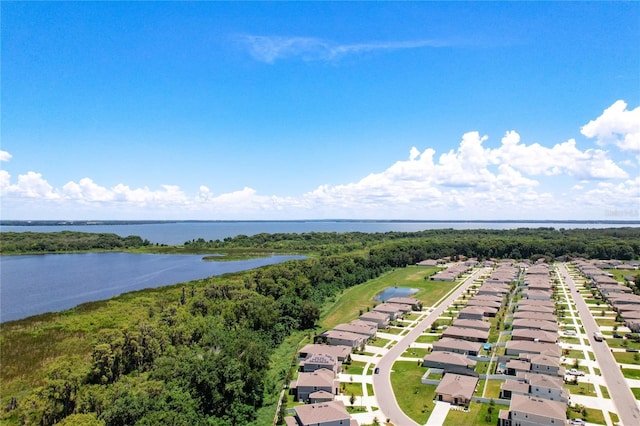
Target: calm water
point(390, 292)
point(53, 282)
point(180, 232)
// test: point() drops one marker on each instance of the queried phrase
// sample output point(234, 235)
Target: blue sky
point(305, 110)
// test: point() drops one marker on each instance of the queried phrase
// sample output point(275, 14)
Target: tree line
point(200, 353)
point(65, 241)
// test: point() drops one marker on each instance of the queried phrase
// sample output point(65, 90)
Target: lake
point(390, 292)
point(35, 284)
point(175, 233)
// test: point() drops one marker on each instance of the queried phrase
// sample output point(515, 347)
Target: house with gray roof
point(463, 347)
point(471, 334)
point(319, 380)
point(532, 411)
point(380, 319)
point(332, 413)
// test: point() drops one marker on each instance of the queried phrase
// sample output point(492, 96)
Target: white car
point(575, 372)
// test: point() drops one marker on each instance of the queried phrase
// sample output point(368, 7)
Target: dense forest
point(210, 351)
point(65, 241)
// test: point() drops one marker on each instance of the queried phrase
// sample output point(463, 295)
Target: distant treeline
point(608, 243)
point(205, 352)
point(65, 241)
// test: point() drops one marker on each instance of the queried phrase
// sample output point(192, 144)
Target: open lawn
point(478, 415)
point(414, 353)
point(581, 388)
point(593, 415)
point(493, 388)
point(350, 302)
point(631, 373)
point(425, 338)
point(623, 343)
point(414, 398)
point(378, 342)
point(351, 389)
point(356, 367)
point(627, 357)
point(636, 392)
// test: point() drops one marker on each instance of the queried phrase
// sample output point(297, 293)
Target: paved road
point(382, 382)
point(619, 391)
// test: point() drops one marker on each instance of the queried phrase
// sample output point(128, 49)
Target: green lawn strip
point(350, 302)
point(378, 342)
point(493, 388)
point(482, 367)
point(570, 340)
point(605, 392)
point(355, 368)
point(606, 322)
point(477, 415)
point(415, 353)
point(576, 354)
point(347, 388)
point(627, 357)
point(593, 415)
point(414, 398)
point(614, 418)
point(425, 338)
point(636, 392)
point(623, 344)
point(582, 388)
point(370, 389)
point(394, 330)
point(630, 373)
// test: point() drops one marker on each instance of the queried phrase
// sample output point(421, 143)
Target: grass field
point(414, 398)
point(355, 299)
point(631, 373)
point(593, 415)
point(476, 416)
point(627, 357)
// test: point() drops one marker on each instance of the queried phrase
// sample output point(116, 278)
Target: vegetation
point(218, 351)
point(65, 241)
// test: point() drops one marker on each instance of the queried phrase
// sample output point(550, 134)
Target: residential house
point(365, 328)
point(415, 304)
point(534, 335)
point(380, 319)
point(458, 346)
point(332, 413)
point(341, 353)
point(518, 347)
point(448, 361)
point(315, 362)
point(531, 411)
point(343, 338)
point(456, 389)
point(535, 315)
point(319, 380)
point(470, 323)
point(392, 310)
point(535, 324)
point(470, 334)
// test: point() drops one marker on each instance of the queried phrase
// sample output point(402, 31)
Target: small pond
point(390, 292)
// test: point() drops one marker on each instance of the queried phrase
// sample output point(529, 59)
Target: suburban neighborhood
point(506, 345)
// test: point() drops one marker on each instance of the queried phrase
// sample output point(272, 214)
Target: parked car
point(575, 372)
point(376, 371)
point(617, 336)
point(578, 422)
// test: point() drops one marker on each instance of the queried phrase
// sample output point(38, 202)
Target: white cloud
point(512, 180)
point(5, 156)
point(271, 48)
point(616, 125)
